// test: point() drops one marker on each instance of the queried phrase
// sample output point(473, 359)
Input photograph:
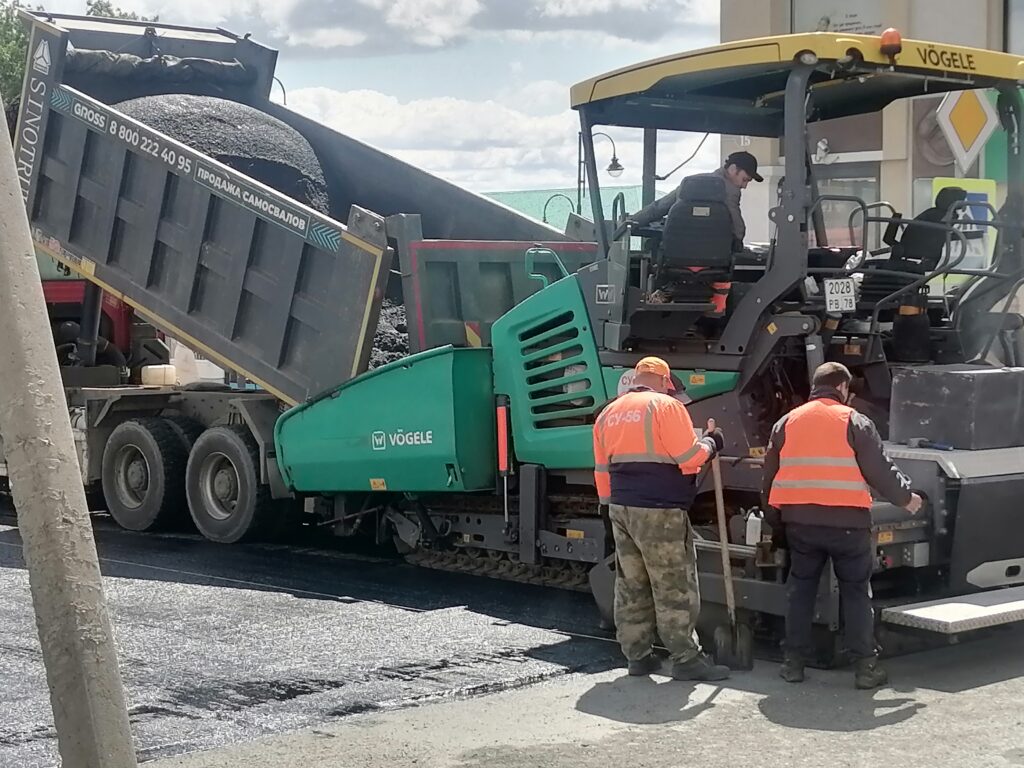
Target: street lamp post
point(544, 215)
point(614, 169)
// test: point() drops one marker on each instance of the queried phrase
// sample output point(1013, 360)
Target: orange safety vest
point(642, 430)
point(817, 464)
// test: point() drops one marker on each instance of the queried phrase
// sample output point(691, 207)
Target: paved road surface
point(957, 707)
point(311, 652)
point(223, 644)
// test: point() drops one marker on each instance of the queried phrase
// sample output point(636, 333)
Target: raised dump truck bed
point(264, 285)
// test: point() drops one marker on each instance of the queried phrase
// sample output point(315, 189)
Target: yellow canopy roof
point(744, 81)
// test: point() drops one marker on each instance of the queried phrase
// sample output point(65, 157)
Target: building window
point(852, 180)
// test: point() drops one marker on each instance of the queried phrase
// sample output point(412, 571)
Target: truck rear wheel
point(143, 474)
point(225, 497)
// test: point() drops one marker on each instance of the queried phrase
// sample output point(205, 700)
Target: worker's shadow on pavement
point(827, 700)
point(651, 700)
point(835, 706)
point(828, 705)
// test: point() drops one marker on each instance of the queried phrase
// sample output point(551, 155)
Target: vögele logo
point(400, 438)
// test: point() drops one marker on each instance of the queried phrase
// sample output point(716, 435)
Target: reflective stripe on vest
point(635, 421)
point(817, 464)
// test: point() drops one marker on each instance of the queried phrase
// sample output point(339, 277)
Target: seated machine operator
point(703, 229)
point(738, 170)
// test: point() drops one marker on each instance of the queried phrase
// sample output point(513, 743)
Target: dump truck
point(474, 452)
point(307, 288)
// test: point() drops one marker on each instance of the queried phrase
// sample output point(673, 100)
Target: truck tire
point(143, 474)
point(188, 430)
point(225, 497)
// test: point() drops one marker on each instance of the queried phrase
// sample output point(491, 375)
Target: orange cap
point(656, 366)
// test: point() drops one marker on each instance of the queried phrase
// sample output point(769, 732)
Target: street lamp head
point(615, 168)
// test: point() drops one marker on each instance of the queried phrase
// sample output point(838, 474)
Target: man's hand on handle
point(915, 504)
point(715, 435)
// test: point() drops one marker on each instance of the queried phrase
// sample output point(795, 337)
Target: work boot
point(699, 668)
point(645, 666)
point(792, 669)
point(869, 674)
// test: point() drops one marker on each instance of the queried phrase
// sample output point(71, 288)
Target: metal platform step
point(677, 306)
point(963, 613)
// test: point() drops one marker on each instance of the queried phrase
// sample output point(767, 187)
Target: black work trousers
point(850, 551)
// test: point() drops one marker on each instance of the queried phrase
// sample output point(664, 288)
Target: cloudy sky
point(476, 91)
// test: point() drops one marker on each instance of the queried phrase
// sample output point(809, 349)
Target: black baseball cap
point(745, 162)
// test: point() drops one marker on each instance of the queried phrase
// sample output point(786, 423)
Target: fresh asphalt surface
point(222, 644)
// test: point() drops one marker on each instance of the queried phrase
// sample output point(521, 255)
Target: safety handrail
point(1002, 314)
point(952, 227)
point(838, 272)
point(928, 277)
point(949, 269)
point(845, 199)
point(618, 206)
point(960, 205)
point(946, 267)
point(994, 223)
point(530, 259)
point(867, 207)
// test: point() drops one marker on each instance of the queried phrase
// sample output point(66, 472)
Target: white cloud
point(579, 8)
point(525, 136)
point(376, 27)
point(440, 123)
point(705, 13)
point(432, 23)
point(490, 146)
point(537, 98)
point(331, 37)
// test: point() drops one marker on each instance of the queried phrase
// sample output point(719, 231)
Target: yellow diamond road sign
point(967, 119)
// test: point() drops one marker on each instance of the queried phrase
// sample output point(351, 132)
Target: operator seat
point(924, 245)
point(919, 249)
point(695, 261)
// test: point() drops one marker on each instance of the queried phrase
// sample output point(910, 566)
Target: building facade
point(894, 155)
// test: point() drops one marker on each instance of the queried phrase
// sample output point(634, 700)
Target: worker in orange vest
point(646, 459)
point(823, 459)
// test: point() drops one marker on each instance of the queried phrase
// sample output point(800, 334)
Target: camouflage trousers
point(656, 589)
